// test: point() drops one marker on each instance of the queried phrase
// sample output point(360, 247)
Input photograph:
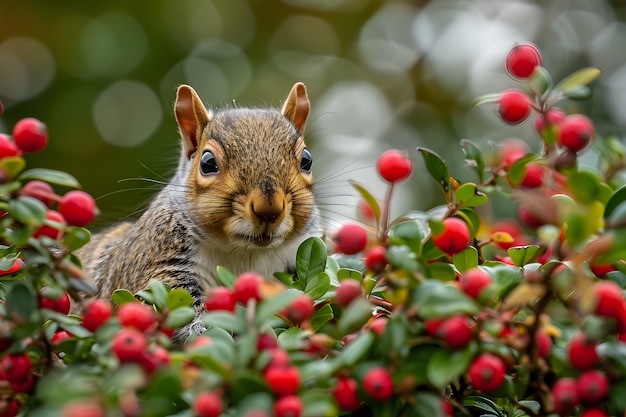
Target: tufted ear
point(192, 118)
point(297, 106)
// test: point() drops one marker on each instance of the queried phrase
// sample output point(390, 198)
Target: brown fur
point(251, 216)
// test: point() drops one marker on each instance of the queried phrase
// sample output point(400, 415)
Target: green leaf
point(483, 403)
point(618, 197)
point(178, 298)
point(584, 186)
point(434, 299)
point(447, 365)
point(441, 271)
point(578, 79)
point(317, 286)
point(437, 169)
point(466, 259)
point(486, 98)
point(11, 166)
point(28, 211)
point(516, 172)
point(369, 199)
point(474, 158)
point(322, 316)
point(76, 237)
point(50, 176)
point(226, 277)
point(468, 195)
point(158, 291)
point(521, 255)
point(355, 316)
point(21, 300)
point(402, 257)
point(394, 338)
point(540, 81)
point(122, 297)
point(310, 258)
point(349, 273)
point(292, 338)
point(318, 403)
point(357, 349)
point(224, 320)
point(179, 317)
point(409, 233)
point(273, 305)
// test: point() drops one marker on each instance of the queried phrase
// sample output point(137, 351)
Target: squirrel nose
point(268, 209)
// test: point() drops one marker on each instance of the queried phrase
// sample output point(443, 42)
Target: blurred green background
point(380, 74)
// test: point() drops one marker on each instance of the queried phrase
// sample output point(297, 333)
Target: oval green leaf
point(50, 176)
point(468, 195)
point(578, 79)
point(369, 199)
point(437, 169)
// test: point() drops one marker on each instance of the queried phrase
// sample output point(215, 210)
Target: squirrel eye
point(306, 162)
point(208, 163)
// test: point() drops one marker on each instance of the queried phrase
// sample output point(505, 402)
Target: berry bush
point(451, 311)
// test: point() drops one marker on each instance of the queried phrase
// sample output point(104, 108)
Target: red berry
point(288, 406)
point(527, 217)
point(30, 135)
point(514, 106)
point(15, 367)
point(23, 387)
point(576, 132)
point(283, 380)
point(553, 117)
point(544, 344)
point(40, 190)
point(455, 331)
point(378, 384)
point(207, 404)
point(533, 176)
point(266, 341)
point(522, 60)
point(60, 336)
point(97, 313)
point(594, 412)
point(53, 232)
point(454, 238)
point(347, 291)
point(9, 408)
point(278, 359)
point(376, 259)
point(378, 325)
point(129, 345)
point(474, 280)
point(609, 299)
point(581, 353)
point(511, 151)
point(219, 298)
point(137, 315)
point(394, 166)
point(60, 305)
point(82, 409)
point(487, 372)
point(78, 207)
point(447, 408)
point(351, 238)
point(600, 270)
point(346, 394)
point(565, 397)
point(247, 287)
point(7, 146)
point(509, 227)
point(365, 212)
point(593, 386)
point(1, 108)
point(301, 309)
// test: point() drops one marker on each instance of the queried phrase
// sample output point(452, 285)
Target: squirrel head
point(247, 170)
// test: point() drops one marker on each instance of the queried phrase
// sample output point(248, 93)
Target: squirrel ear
point(297, 106)
point(192, 117)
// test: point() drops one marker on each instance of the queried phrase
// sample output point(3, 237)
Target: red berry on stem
point(533, 176)
point(30, 135)
point(301, 309)
point(582, 354)
point(474, 280)
point(61, 304)
point(487, 372)
point(7, 146)
point(78, 207)
point(15, 367)
point(594, 412)
point(553, 117)
point(565, 397)
point(544, 344)
point(378, 384)
point(137, 315)
point(593, 386)
point(577, 131)
point(455, 331)
point(347, 291)
point(283, 380)
point(522, 60)
point(23, 387)
point(129, 345)
point(608, 299)
point(40, 190)
point(9, 408)
point(454, 238)
point(346, 394)
point(60, 336)
point(288, 406)
point(247, 287)
point(394, 166)
point(207, 404)
point(351, 238)
point(219, 298)
point(96, 314)
point(514, 106)
point(376, 259)
point(53, 232)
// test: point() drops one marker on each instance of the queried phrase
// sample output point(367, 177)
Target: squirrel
point(241, 198)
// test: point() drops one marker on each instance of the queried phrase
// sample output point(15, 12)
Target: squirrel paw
point(196, 327)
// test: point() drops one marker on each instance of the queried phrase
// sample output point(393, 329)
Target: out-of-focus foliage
point(380, 74)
